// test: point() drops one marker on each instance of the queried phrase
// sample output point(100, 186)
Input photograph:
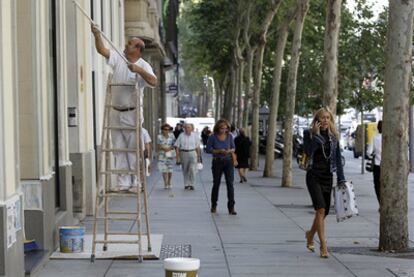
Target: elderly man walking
point(139, 74)
point(188, 154)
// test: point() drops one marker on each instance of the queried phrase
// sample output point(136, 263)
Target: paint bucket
point(181, 267)
point(71, 239)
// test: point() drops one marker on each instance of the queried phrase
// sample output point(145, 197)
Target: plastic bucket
point(71, 239)
point(181, 267)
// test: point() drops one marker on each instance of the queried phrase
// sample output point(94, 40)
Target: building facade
point(52, 90)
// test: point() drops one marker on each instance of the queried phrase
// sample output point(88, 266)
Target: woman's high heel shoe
point(324, 252)
point(309, 244)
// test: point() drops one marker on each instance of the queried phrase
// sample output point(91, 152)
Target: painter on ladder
point(137, 72)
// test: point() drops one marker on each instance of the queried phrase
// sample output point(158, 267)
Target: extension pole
point(103, 34)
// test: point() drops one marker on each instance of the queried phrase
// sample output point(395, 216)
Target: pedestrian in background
point(374, 149)
point(188, 154)
point(166, 154)
point(204, 136)
point(178, 130)
point(234, 131)
point(242, 143)
point(221, 145)
point(147, 148)
point(322, 146)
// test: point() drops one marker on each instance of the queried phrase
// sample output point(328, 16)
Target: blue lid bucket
point(71, 239)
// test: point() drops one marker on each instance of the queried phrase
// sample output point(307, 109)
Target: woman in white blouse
point(188, 154)
point(374, 149)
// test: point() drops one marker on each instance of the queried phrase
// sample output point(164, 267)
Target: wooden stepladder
point(103, 213)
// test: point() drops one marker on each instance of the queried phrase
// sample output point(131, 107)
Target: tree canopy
point(207, 34)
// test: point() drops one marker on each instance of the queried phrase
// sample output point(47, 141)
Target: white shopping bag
point(345, 202)
point(147, 165)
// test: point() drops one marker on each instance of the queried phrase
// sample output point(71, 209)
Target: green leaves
point(207, 41)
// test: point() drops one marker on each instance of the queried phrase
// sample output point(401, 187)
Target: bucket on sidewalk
point(71, 239)
point(181, 267)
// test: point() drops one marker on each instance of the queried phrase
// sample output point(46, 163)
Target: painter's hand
point(95, 29)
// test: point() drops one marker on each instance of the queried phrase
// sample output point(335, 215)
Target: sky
point(378, 5)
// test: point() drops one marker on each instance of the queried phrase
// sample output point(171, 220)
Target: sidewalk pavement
point(265, 238)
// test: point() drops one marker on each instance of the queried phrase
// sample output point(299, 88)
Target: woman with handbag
point(166, 154)
point(221, 145)
point(321, 144)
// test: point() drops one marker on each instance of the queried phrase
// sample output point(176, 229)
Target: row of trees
point(317, 51)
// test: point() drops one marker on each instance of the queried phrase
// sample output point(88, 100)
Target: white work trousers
point(124, 139)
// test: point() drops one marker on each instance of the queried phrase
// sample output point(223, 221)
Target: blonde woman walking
point(322, 146)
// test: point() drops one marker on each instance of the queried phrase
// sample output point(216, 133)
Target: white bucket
point(181, 267)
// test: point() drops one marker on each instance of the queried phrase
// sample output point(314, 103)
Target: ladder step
point(120, 194)
point(119, 171)
point(121, 84)
point(125, 234)
point(118, 218)
point(120, 128)
point(126, 213)
point(121, 213)
point(118, 150)
point(118, 241)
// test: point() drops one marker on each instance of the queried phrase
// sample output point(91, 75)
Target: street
point(266, 238)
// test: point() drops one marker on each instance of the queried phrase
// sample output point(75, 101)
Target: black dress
point(319, 178)
point(242, 151)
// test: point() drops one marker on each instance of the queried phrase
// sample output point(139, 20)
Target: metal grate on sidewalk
point(175, 251)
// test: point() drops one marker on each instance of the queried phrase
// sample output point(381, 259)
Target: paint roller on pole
point(102, 33)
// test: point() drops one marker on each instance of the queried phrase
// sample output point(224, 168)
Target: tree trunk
point(330, 71)
point(233, 92)
point(241, 105)
point(235, 96)
point(218, 101)
point(228, 97)
point(249, 60)
point(224, 93)
point(248, 94)
point(283, 33)
point(393, 218)
point(258, 82)
point(303, 6)
point(254, 163)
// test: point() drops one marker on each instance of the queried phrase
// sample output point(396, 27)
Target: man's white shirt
point(145, 136)
point(123, 96)
point(188, 142)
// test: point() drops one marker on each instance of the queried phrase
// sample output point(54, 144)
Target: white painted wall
point(8, 139)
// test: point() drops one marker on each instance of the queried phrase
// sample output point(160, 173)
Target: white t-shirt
point(188, 142)
point(123, 96)
point(375, 147)
point(145, 136)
